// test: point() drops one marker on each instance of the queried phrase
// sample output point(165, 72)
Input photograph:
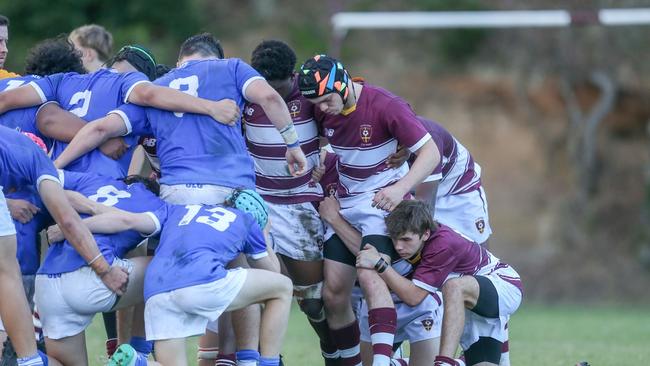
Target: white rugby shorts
point(297, 231)
point(414, 323)
point(67, 302)
point(185, 312)
point(466, 213)
point(509, 300)
point(194, 194)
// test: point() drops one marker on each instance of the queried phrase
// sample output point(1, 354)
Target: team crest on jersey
point(329, 132)
point(427, 324)
point(249, 111)
point(294, 108)
point(480, 225)
point(331, 189)
point(366, 133)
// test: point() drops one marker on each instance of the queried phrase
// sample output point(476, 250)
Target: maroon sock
point(445, 361)
point(383, 323)
point(400, 362)
point(111, 346)
point(347, 340)
point(226, 360)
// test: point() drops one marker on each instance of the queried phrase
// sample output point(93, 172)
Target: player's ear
point(425, 236)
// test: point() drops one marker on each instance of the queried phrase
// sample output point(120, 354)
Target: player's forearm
point(170, 99)
point(110, 222)
point(21, 97)
point(86, 140)
point(427, 158)
point(83, 205)
point(58, 124)
point(402, 287)
point(350, 236)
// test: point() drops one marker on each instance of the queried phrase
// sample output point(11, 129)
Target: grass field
point(540, 335)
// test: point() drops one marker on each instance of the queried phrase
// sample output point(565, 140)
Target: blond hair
point(95, 37)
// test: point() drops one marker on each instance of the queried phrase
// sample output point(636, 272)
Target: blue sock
point(34, 360)
point(247, 357)
point(270, 361)
point(141, 345)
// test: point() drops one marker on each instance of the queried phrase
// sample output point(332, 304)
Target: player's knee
point(310, 300)
point(285, 287)
point(452, 287)
point(368, 279)
point(313, 308)
point(334, 298)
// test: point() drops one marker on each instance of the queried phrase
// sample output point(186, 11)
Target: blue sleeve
point(255, 244)
point(130, 80)
point(243, 73)
point(40, 167)
point(135, 119)
point(48, 87)
point(159, 217)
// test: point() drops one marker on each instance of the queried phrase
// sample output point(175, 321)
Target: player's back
point(457, 171)
point(24, 119)
point(22, 162)
point(62, 257)
point(91, 96)
point(195, 148)
point(197, 242)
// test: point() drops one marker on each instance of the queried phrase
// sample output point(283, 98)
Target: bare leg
point(68, 351)
point(458, 294)
point(207, 343)
point(14, 309)
point(274, 290)
point(366, 353)
point(424, 353)
point(339, 280)
point(171, 352)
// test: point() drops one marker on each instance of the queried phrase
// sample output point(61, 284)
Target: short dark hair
point(203, 44)
point(139, 57)
point(52, 56)
point(162, 69)
point(151, 184)
point(4, 20)
point(410, 216)
point(274, 60)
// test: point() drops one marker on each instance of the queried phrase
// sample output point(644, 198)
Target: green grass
point(540, 335)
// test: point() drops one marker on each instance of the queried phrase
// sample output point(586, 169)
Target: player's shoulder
point(379, 94)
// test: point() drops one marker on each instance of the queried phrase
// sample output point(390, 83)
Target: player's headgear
point(321, 75)
point(138, 56)
point(249, 201)
point(37, 140)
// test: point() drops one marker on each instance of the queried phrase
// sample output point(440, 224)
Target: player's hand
point(21, 210)
point(329, 209)
point(54, 234)
point(296, 160)
point(225, 111)
point(114, 148)
point(318, 172)
point(396, 159)
point(368, 257)
point(389, 197)
point(116, 279)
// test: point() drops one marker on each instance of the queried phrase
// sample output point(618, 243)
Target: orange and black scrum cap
point(321, 75)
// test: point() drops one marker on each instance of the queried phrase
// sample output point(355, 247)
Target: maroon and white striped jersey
point(447, 254)
point(267, 148)
point(457, 172)
point(366, 137)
